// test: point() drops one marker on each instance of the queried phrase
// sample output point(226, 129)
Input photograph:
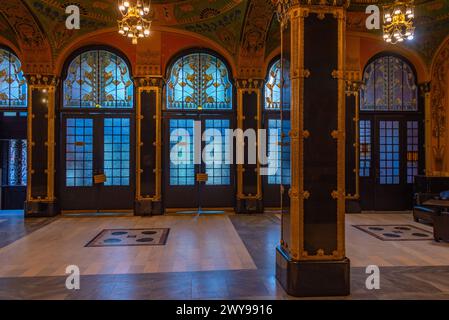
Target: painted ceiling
point(243, 27)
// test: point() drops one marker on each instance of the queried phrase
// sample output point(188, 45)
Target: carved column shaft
point(149, 146)
point(41, 199)
point(313, 222)
point(249, 117)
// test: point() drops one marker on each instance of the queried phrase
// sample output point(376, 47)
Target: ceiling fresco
point(243, 27)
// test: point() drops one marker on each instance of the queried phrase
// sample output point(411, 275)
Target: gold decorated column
point(148, 146)
point(41, 200)
point(249, 117)
point(311, 260)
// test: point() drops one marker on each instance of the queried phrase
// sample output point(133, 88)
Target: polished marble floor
point(207, 257)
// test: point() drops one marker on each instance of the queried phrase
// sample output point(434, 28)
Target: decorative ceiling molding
point(30, 37)
point(251, 59)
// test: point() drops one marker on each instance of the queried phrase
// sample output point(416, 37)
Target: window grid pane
point(217, 161)
point(117, 151)
point(389, 152)
point(182, 167)
point(79, 153)
point(412, 150)
point(365, 148)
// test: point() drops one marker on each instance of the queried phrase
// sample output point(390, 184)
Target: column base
point(145, 208)
point(353, 206)
point(249, 206)
point(312, 278)
point(41, 209)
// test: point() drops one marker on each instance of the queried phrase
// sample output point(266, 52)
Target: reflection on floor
point(207, 257)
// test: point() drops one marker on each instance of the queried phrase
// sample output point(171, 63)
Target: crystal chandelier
point(398, 21)
point(134, 23)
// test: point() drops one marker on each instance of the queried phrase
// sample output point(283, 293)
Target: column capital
point(149, 81)
point(249, 83)
point(425, 88)
point(42, 80)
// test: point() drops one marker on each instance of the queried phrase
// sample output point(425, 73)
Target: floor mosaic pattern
point(396, 232)
point(130, 237)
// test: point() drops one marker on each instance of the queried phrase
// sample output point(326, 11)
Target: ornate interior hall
point(224, 149)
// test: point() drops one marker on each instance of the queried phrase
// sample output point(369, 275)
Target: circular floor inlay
point(145, 240)
point(376, 228)
point(149, 233)
point(420, 235)
point(119, 233)
point(402, 228)
point(391, 235)
point(112, 240)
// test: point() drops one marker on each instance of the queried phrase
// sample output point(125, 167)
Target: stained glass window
point(98, 79)
point(13, 87)
point(365, 148)
point(273, 88)
point(199, 81)
point(389, 85)
point(16, 164)
point(117, 151)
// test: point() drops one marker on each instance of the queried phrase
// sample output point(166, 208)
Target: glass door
point(198, 178)
point(97, 163)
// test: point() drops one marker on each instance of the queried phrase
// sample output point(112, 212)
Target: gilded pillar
point(425, 96)
point(41, 200)
point(311, 260)
point(249, 117)
point(148, 146)
point(353, 83)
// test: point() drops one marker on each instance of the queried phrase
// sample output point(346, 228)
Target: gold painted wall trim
point(46, 84)
point(353, 90)
point(158, 143)
point(249, 86)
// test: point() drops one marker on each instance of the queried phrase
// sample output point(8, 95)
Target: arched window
point(199, 81)
point(273, 88)
point(277, 129)
point(13, 87)
point(389, 85)
point(98, 79)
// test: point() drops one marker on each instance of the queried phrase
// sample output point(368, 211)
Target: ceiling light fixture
point(398, 21)
point(134, 23)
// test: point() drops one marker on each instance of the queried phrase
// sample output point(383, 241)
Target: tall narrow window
point(365, 148)
point(273, 88)
point(412, 150)
point(98, 79)
point(199, 81)
point(389, 85)
point(13, 87)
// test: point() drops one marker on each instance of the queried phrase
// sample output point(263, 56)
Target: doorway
point(208, 183)
point(391, 156)
point(97, 162)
